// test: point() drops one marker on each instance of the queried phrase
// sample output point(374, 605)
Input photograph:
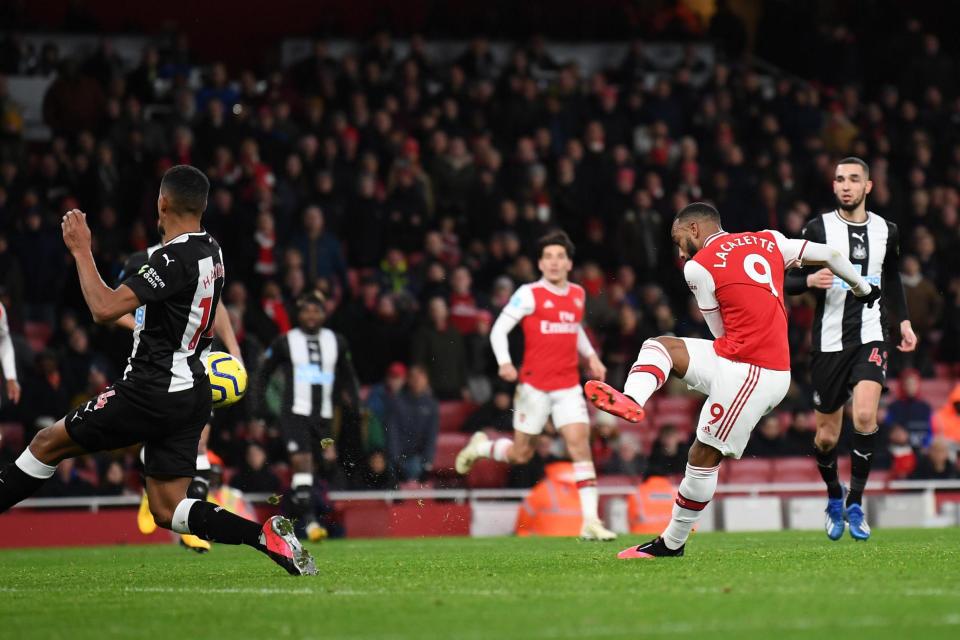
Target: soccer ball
point(228, 378)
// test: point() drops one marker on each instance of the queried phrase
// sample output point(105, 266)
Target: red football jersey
point(551, 319)
point(741, 274)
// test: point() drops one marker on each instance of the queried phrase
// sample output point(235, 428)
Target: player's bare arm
point(106, 304)
point(224, 330)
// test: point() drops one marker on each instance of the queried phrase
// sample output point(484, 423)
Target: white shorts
point(532, 407)
point(738, 395)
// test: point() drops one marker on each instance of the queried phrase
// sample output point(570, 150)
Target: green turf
point(901, 584)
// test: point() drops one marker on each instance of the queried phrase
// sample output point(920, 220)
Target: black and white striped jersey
point(179, 287)
point(317, 372)
point(841, 322)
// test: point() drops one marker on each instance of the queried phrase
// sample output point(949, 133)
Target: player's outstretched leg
point(866, 399)
point(21, 479)
point(696, 490)
point(210, 522)
point(480, 446)
point(657, 358)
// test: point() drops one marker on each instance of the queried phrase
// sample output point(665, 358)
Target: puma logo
point(865, 456)
point(858, 236)
point(167, 258)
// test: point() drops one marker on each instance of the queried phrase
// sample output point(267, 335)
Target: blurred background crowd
point(410, 185)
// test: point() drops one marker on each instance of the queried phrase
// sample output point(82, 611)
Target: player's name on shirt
point(725, 247)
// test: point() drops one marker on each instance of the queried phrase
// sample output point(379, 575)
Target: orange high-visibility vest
point(650, 507)
point(233, 500)
point(946, 421)
point(553, 506)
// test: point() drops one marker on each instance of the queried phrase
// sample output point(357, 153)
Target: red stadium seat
point(799, 469)
point(617, 481)
point(37, 335)
point(453, 413)
point(748, 471)
point(11, 437)
point(448, 446)
point(487, 474)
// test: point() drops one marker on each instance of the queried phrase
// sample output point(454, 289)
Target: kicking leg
point(21, 479)
point(173, 510)
point(658, 357)
point(577, 438)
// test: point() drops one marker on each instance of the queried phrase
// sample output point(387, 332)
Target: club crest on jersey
point(578, 303)
point(859, 252)
point(816, 398)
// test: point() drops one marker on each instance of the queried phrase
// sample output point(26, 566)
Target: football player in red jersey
point(550, 312)
point(737, 280)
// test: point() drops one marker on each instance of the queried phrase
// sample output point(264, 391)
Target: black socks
point(210, 522)
point(827, 465)
point(861, 459)
point(16, 486)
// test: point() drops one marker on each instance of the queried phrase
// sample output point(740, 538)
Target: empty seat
point(488, 474)
point(448, 446)
point(11, 437)
point(453, 413)
point(748, 471)
point(799, 469)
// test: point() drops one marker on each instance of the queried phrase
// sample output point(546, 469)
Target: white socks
point(28, 463)
point(696, 491)
point(497, 449)
point(203, 462)
point(649, 372)
point(586, 478)
point(181, 515)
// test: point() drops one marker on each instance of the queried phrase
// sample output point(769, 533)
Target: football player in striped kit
point(318, 377)
point(851, 341)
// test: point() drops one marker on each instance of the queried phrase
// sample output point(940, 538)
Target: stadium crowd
point(411, 191)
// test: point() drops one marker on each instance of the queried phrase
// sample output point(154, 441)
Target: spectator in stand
point(113, 480)
point(496, 413)
point(67, 482)
point(797, 435)
point(321, 250)
point(911, 412)
point(375, 474)
point(413, 422)
point(330, 470)
point(668, 455)
point(925, 305)
point(903, 458)
point(378, 403)
point(524, 476)
point(627, 458)
point(767, 439)
point(938, 463)
point(254, 476)
point(463, 304)
point(439, 349)
point(481, 365)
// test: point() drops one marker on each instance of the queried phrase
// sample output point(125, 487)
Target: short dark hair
point(698, 210)
point(558, 238)
point(186, 188)
point(858, 161)
point(313, 296)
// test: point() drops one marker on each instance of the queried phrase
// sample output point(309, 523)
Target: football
point(228, 378)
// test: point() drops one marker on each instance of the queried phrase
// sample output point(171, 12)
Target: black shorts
point(302, 434)
point(835, 373)
point(168, 425)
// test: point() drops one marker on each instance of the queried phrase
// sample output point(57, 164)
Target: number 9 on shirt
point(228, 378)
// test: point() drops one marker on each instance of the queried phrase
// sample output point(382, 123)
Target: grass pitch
point(900, 584)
